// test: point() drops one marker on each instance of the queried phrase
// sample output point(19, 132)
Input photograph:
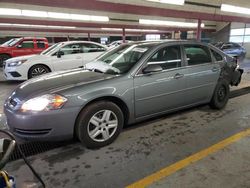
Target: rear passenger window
point(168, 57)
point(40, 44)
point(216, 55)
point(27, 44)
point(197, 54)
point(89, 47)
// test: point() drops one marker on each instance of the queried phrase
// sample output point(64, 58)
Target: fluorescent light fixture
point(10, 12)
point(112, 29)
point(131, 30)
point(37, 26)
point(142, 30)
point(5, 24)
point(80, 17)
point(173, 2)
point(235, 9)
point(169, 23)
point(58, 15)
point(34, 13)
point(99, 18)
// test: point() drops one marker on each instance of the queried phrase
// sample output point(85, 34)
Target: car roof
point(166, 41)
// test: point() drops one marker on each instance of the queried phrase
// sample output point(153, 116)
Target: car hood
point(14, 59)
point(4, 48)
point(56, 82)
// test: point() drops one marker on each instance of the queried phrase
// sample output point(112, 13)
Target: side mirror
point(60, 54)
point(151, 68)
point(7, 146)
point(19, 46)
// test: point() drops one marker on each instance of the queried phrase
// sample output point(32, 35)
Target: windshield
point(51, 48)
point(119, 60)
point(11, 42)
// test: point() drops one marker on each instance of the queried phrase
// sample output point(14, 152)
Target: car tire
point(99, 124)
point(37, 70)
point(3, 57)
point(221, 95)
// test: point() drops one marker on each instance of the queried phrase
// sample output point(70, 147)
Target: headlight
point(44, 103)
point(16, 63)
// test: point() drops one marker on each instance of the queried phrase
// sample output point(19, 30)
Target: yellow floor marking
point(187, 161)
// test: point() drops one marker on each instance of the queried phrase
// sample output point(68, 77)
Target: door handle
point(78, 57)
point(178, 76)
point(215, 69)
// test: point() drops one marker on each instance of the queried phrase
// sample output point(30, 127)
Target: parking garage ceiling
point(121, 14)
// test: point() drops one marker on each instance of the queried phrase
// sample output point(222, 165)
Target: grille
point(12, 103)
point(32, 132)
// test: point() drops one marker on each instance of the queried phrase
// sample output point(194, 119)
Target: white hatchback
point(59, 57)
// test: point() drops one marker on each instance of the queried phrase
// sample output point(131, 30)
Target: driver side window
point(168, 57)
point(27, 44)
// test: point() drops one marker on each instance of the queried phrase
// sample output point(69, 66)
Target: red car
point(22, 46)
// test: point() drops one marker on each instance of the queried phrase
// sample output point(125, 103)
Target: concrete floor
point(147, 147)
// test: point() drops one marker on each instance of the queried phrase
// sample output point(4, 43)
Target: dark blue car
point(232, 49)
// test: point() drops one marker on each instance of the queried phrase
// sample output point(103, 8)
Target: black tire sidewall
point(87, 113)
point(3, 57)
point(215, 103)
point(34, 67)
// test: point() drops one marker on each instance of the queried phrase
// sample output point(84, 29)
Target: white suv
point(59, 57)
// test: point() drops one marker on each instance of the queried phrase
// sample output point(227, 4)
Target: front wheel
point(37, 70)
point(221, 95)
point(99, 124)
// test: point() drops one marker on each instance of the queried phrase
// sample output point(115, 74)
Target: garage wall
point(222, 34)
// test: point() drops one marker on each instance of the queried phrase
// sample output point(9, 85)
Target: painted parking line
point(187, 161)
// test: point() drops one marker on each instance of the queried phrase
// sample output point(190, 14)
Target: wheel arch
point(49, 68)
point(116, 100)
point(8, 54)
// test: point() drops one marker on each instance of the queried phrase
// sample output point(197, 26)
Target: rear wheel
point(37, 70)
point(221, 95)
point(3, 57)
point(99, 124)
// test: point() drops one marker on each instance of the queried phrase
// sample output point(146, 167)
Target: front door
point(70, 57)
point(25, 47)
point(161, 91)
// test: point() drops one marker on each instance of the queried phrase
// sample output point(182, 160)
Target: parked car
point(60, 56)
point(22, 46)
point(232, 49)
point(117, 43)
point(128, 84)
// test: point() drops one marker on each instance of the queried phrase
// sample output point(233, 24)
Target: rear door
point(25, 47)
point(40, 46)
point(70, 58)
point(161, 91)
point(203, 73)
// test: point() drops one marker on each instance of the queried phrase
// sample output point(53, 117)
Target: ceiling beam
point(93, 25)
point(130, 9)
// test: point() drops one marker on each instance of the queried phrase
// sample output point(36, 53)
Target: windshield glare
point(11, 42)
point(50, 49)
point(123, 58)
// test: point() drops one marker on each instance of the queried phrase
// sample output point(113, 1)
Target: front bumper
point(236, 77)
point(42, 126)
point(15, 73)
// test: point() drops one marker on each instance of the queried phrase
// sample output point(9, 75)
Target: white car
point(117, 43)
point(59, 57)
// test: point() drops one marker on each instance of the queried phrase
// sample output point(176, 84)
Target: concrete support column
point(123, 35)
point(89, 37)
point(198, 32)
